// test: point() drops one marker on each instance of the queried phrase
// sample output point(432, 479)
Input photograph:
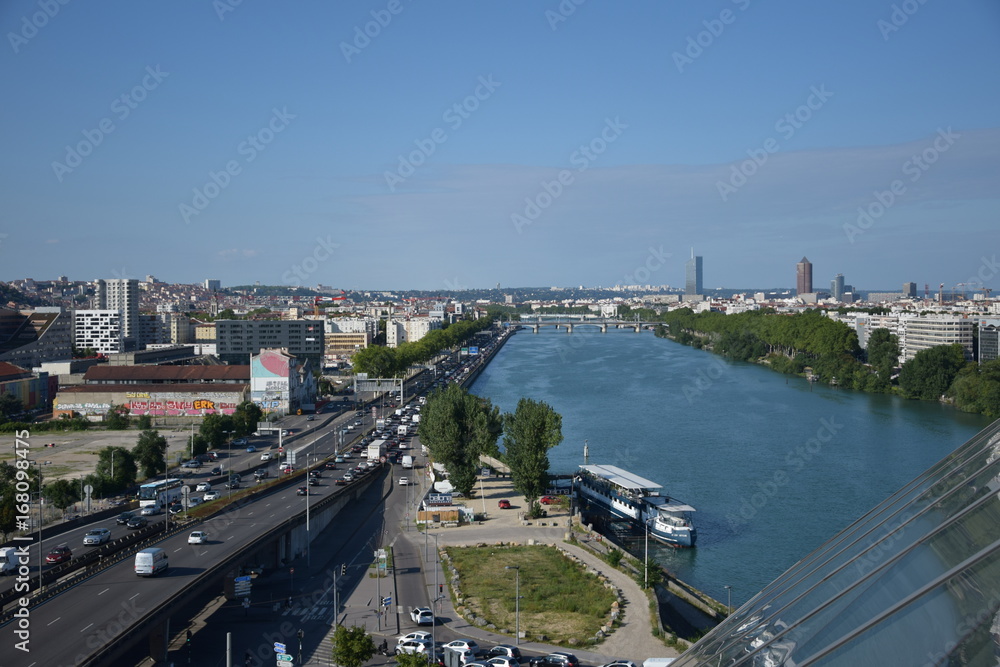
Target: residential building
point(281, 382)
point(237, 340)
point(693, 275)
point(909, 290)
point(804, 277)
point(346, 344)
point(30, 339)
point(121, 294)
point(212, 285)
point(922, 333)
point(99, 330)
point(989, 340)
point(409, 331)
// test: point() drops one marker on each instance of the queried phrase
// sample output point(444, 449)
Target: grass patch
point(559, 598)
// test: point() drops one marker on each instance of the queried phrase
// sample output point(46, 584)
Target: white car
point(403, 481)
point(414, 646)
point(198, 537)
point(203, 486)
point(422, 616)
point(96, 536)
point(150, 510)
point(266, 456)
point(212, 495)
point(463, 645)
point(419, 634)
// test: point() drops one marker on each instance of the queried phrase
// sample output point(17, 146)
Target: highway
point(97, 610)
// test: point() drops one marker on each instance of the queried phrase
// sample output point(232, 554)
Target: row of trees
point(830, 349)
point(458, 427)
point(384, 362)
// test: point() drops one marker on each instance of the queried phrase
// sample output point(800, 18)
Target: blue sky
point(465, 144)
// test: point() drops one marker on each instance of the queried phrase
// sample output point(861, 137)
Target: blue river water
point(775, 466)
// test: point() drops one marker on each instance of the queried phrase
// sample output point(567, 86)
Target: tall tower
point(837, 287)
point(692, 278)
point(804, 277)
point(121, 294)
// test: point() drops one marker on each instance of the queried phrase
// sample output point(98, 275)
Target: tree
point(150, 453)
point(883, 352)
point(376, 361)
point(457, 428)
point(10, 406)
point(62, 493)
point(144, 422)
point(116, 469)
point(529, 433)
point(215, 429)
point(117, 418)
point(352, 647)
point(246, 417)
point(929, 374)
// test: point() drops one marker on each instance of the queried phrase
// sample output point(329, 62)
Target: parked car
point(212, 495)
point(203, 486)
point(422, 616)
point(98, 536)
point(502, 661)
point(137, 522)
point(558, 659)
point(548, 500)
point(198, 537)
point(503, 504)
point(504, 651)
point(464, 645)
point(150, 510)
point(59, 554)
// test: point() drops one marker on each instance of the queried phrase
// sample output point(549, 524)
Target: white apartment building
point(121, 294)
point(921, 333)
point(98, 329)
point(408, 331)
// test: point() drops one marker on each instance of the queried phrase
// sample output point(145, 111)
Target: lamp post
point(229, 463)
point(38, 464)
point(729, 600)
point(517, 602)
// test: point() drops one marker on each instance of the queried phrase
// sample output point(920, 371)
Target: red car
point(548, 500)
point(504, 504)
point(60, 554)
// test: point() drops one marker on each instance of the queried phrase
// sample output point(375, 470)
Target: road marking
point(55, 620)
point(85, 629)
point(230, 537)
point(178, 549)
point(104, 591)
point(134, 596)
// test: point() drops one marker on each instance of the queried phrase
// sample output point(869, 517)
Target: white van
point(8, 560)
point(149, 562)
point(407, 461)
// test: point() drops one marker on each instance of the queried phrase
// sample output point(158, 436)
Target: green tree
point(150, 453)
point(529, 433)
point(457, 428)
point(217, 430)
point(883, 352)
point(352, 647)
point(376, 361)
point(977, 389)
point(62, 493)
point(116, 468)
point(117, 418)
point(929, 374)
point(10, 405)
point(246, 417)
point(144, 422)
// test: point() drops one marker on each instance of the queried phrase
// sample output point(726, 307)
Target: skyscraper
point(804, 277)
point(909, 290)
point(692, 281)
point(121, 294)
point(837, 287)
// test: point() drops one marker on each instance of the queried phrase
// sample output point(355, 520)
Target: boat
point(638, 500)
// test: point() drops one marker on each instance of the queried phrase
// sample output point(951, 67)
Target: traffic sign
point(382, 459)
point(279, 647)
point(284, 657)
point(243, 578)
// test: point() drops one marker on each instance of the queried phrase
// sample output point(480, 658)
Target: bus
point(161, 493)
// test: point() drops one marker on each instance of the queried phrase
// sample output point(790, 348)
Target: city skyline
point(398, 145)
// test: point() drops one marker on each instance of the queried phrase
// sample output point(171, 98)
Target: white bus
point(161, 493)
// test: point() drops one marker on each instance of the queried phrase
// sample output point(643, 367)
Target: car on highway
point(193, 463)
point(422, 616)
point(504, 651)
point(217, 470)
point(59, 554)
point(266, 456)
point(414, 646)
point(150, 510)
point(260, 474)
point(557, 659)
point(403, 481)
point(341, 481)
point(203, 486)
point(198, 537)
point(348, 476)
point(330, 465)
point(285, 432)
point(464, 645)
point(313, 481)
point(123, 518)
point(503, 504)
point(287, 469)
point(251, 449)
point(419, 634)
point(97, 536)
point(137, 522)
point(211, 495)
point(339, 459)
point(310, 418)
point(175, 508)
point(235, 484)
point(240, 441)
point(302, 491)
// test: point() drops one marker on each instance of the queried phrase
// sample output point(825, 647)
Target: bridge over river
point(569, 323)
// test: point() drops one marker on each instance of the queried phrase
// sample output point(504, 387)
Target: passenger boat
point(631, 497)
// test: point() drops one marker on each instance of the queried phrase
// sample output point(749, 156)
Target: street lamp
point(229, 464)
point(517, 602)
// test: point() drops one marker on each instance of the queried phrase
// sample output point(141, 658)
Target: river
point(775, 466)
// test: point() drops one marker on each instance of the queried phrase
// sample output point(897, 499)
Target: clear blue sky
point(671, 97)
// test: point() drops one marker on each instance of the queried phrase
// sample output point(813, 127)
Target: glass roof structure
point(915, 581)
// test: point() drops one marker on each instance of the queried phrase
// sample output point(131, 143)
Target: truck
point(8, 560)
point(376, 450)
point(379, 424)
point(402, 430)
